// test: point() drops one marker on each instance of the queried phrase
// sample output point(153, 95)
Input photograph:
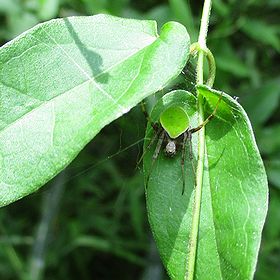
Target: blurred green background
point(90, 221)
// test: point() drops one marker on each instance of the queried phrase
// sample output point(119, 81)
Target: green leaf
point(64, 80)
point(175, 121)
point(160, 13)
point(273, 171)
point(19, 22)
point(272, 225)
point(228, 60)
point(268, 96)
point(266, 33)
point(9, 7)
point(221, 8)
point(48, 9)
point(269, 140)
point(183, 13)
point(234, 193)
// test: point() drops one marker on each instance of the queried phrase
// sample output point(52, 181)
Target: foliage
point(102, 208)
point(231, 217)
point(50, 113)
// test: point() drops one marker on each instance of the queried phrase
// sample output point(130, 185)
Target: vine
point(201, 48)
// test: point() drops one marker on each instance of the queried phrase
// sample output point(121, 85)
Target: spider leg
point(156, 136)
point(191, 151)
point(144, 110)
point(183, 157)
point(211, 116)
point(187, 138)
point(155, 155)
point(155, 127)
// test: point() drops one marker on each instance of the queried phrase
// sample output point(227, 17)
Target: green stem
point(201, 144)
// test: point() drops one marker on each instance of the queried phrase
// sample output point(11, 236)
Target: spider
point(174, 131)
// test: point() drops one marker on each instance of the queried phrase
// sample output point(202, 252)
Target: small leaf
point(175, 121)
point(234, 193)
point(64, 80)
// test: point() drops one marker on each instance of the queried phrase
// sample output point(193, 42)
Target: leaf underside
point(64, 80)
point(234, 194)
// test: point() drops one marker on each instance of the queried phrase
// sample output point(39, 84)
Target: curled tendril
point(195, 47)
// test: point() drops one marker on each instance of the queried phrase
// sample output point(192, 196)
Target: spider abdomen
point(170, 149)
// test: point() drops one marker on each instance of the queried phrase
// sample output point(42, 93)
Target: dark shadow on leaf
point(93, 59)
point(226, 116)
point(213, 165)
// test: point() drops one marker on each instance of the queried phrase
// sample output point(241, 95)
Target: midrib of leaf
point(89, 79)
point(210, 193)
point(206, 165)
point(236, 128)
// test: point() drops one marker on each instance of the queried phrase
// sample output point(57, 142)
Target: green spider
point(174, 131)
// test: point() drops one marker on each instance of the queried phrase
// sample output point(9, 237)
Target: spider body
point(173, 131)
point(170, 148)
point(175, 123)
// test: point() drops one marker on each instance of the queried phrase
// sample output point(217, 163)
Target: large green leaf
point(234, 194)
point(64, 80)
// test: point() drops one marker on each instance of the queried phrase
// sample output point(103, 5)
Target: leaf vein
point(80, 68)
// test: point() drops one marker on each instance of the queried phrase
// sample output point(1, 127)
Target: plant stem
point(201, 145)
